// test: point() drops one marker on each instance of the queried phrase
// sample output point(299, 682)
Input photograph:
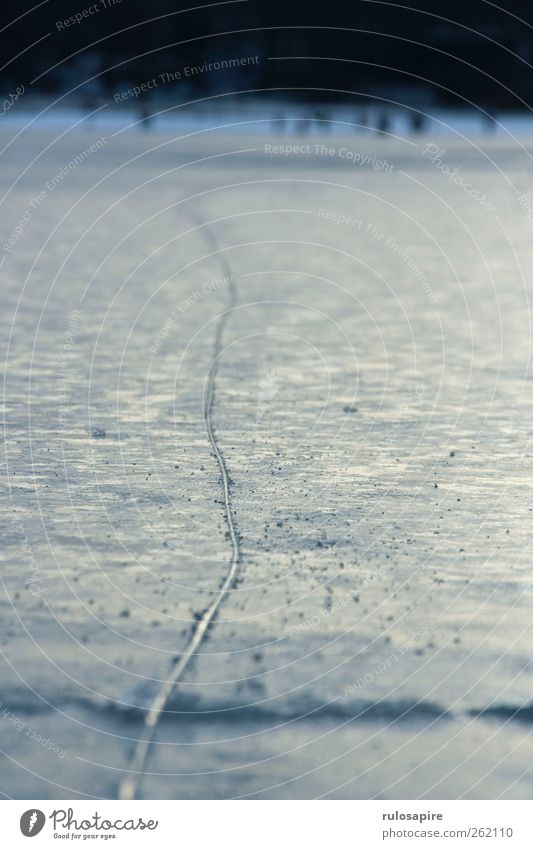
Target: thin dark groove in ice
point(129, 785)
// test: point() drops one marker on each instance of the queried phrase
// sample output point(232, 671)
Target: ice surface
point(374, 410)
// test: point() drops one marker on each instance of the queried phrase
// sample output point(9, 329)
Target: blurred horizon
point(445, 55)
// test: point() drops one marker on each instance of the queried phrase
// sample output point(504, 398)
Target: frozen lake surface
point(373, 407)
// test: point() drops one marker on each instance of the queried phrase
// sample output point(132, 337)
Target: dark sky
point(470, 51)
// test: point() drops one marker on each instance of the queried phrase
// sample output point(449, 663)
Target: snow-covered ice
point(373, 407)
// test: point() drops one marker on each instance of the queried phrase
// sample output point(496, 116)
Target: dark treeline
point(452, 52)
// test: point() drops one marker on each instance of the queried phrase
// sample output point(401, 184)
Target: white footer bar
point(269, 824)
